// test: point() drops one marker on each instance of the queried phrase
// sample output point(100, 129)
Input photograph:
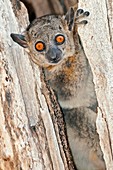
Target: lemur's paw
point(80, 15)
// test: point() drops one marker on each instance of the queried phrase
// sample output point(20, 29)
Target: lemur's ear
point(69, 17)
point(20, 39)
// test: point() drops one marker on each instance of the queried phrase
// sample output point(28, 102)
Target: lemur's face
point(49, 39)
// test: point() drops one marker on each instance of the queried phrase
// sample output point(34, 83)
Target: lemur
point(54, 44)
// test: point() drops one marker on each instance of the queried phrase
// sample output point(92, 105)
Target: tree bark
point(32, 130)
point(97, 40)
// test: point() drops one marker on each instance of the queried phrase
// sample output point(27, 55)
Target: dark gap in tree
point(51, 6)
point(63, 5)
point(30, 9)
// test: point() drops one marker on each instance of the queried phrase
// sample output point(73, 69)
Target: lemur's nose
point(54, 54)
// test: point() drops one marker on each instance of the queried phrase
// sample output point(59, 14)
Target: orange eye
point(60, 39)
point(40, 46)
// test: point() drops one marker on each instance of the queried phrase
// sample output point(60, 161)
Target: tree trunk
point(97, 40)
point(32, 130)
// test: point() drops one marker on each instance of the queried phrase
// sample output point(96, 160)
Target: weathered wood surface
point(97, 40)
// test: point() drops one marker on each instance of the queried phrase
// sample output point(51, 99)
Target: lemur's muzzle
point(54, 55)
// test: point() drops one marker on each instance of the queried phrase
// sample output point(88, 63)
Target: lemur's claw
point(86, 13)
point(79, 12)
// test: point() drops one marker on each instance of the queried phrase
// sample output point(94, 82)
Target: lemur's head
point(49, 38)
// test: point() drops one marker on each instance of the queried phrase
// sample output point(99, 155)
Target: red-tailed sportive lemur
point(55, 46)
